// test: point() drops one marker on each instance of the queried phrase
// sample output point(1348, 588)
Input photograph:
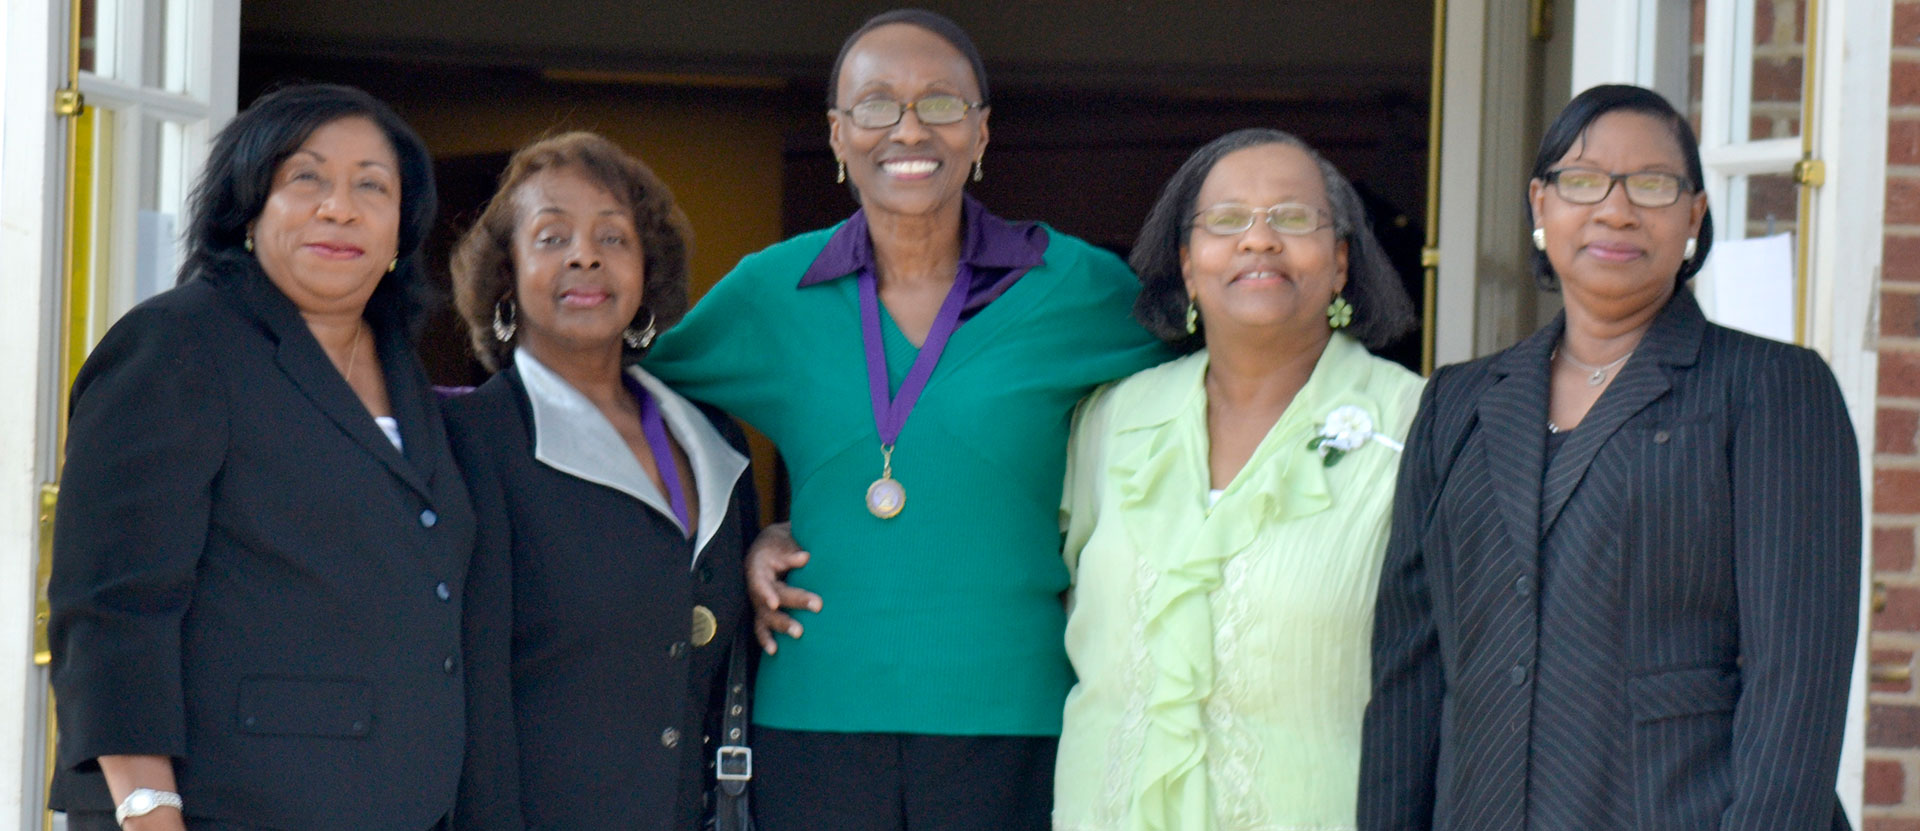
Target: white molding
point(30, 148)
point(1844, 266)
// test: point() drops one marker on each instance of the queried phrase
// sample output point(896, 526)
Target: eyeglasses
point(933, 110)
point(1647, 188)
point(1230, 218)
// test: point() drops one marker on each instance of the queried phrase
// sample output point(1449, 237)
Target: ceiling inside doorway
point(1252, 48)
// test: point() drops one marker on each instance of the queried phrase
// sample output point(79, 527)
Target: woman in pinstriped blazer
point(1622, 586)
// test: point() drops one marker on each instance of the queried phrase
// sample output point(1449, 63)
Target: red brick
point(1906, 24)
point(1900, 372)
point(1903, 139)
point(1902, 613)
point(1900, 258)
point(1893, 659)
point(1778, 79)
point(1903, 200)
point(1896, 491)
point(1890, 824)
point(1886, 782)
point(1899, 314)
point(1893, 726)
point(1893, 549)
point(1896, 431)
point(1904, 83)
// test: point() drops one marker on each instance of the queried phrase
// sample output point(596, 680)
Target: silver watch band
point(144, 801)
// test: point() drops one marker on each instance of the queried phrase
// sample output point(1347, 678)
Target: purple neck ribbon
point(891, 415)
point(655, 429)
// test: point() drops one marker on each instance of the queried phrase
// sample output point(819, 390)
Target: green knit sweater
point(947, 618)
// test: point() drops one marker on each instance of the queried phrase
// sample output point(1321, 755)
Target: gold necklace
point(353, 355)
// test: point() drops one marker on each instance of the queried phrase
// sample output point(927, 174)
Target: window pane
point(176, 42)
point(1777, 69)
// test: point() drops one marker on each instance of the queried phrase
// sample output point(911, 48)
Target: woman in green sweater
point(916, 365)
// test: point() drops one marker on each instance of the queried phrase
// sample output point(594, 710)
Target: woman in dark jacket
point(607, 588)
point(1622, 588)
point(262, 536)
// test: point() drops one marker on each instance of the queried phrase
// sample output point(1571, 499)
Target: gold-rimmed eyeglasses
point(1291, 218)
point(933, 111)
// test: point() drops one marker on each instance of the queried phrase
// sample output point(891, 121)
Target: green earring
point(1339, 313)
point(1193, 318)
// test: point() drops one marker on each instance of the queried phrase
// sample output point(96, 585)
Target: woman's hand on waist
point(772, 555)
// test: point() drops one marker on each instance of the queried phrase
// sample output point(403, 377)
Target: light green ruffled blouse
point(1222, 650)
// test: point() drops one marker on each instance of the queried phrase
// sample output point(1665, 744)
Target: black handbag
point(733, 759)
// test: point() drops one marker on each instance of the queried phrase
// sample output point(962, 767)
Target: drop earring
point(1540, 239)
point(977, 173)
point(1193, 318)
point(640, 338)
point(1339, 313)
point(1693, 247)
point(248, 244)
point(840, 173)
point(504, 325)
point(393, 264)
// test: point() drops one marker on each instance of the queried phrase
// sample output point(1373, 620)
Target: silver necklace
point(1597, 375)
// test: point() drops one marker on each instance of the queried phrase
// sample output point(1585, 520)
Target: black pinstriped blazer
point(1715, 489)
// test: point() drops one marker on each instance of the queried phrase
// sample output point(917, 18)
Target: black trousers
point(807, 781)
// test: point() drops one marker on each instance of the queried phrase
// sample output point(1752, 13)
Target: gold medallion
point(705, 626)
point(885, 497)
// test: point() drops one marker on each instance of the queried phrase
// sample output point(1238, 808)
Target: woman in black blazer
point(607, 589)
point(1622, 586)
point(262, 536)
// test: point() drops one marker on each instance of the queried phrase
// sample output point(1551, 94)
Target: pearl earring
point(1540, 239)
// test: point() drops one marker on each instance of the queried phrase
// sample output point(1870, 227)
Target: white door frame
point(203, 42)
point(1634, 41)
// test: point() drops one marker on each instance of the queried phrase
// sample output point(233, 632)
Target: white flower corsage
point(1346, 429)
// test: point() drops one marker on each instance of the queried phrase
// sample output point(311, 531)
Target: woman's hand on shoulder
point(772, 555)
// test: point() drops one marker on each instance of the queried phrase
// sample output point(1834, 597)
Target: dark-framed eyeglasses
point(1647, 188)
point(1231, 218)
point(933, 111)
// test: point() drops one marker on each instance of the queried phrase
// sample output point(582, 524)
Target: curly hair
point(1382, 312)
point(483, 270)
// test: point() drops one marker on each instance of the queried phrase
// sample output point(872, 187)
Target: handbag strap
point(733, 761)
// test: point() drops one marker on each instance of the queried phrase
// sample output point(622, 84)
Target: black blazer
point(249, 578)
point(589, 707)
point(1717, 477)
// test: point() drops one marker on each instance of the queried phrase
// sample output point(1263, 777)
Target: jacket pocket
point(340, 708)
point(1686, 692)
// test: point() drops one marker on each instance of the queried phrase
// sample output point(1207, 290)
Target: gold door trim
point(1430, 253)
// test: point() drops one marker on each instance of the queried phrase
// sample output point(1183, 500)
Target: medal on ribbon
point(887, 497)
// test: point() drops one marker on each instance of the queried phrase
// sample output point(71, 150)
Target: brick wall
point(1893, 721)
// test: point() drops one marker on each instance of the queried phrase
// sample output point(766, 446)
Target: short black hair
point(1571, 126)
point(934, 22)
point(233, 190)
point(1382, 312)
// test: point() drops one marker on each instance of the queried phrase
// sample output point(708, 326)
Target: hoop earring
point(1540, 239)
point(1339, 313)
point(1693, 247)
point(504, 326)
point(1193, 318)
point(640, 339)
point(840, 172)
point(976, 170)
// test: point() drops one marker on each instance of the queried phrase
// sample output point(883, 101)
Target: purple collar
point(999, 252)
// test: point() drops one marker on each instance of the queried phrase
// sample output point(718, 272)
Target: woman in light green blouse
point(1226, 512)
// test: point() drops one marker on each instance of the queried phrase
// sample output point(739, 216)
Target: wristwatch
point(144, 801)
